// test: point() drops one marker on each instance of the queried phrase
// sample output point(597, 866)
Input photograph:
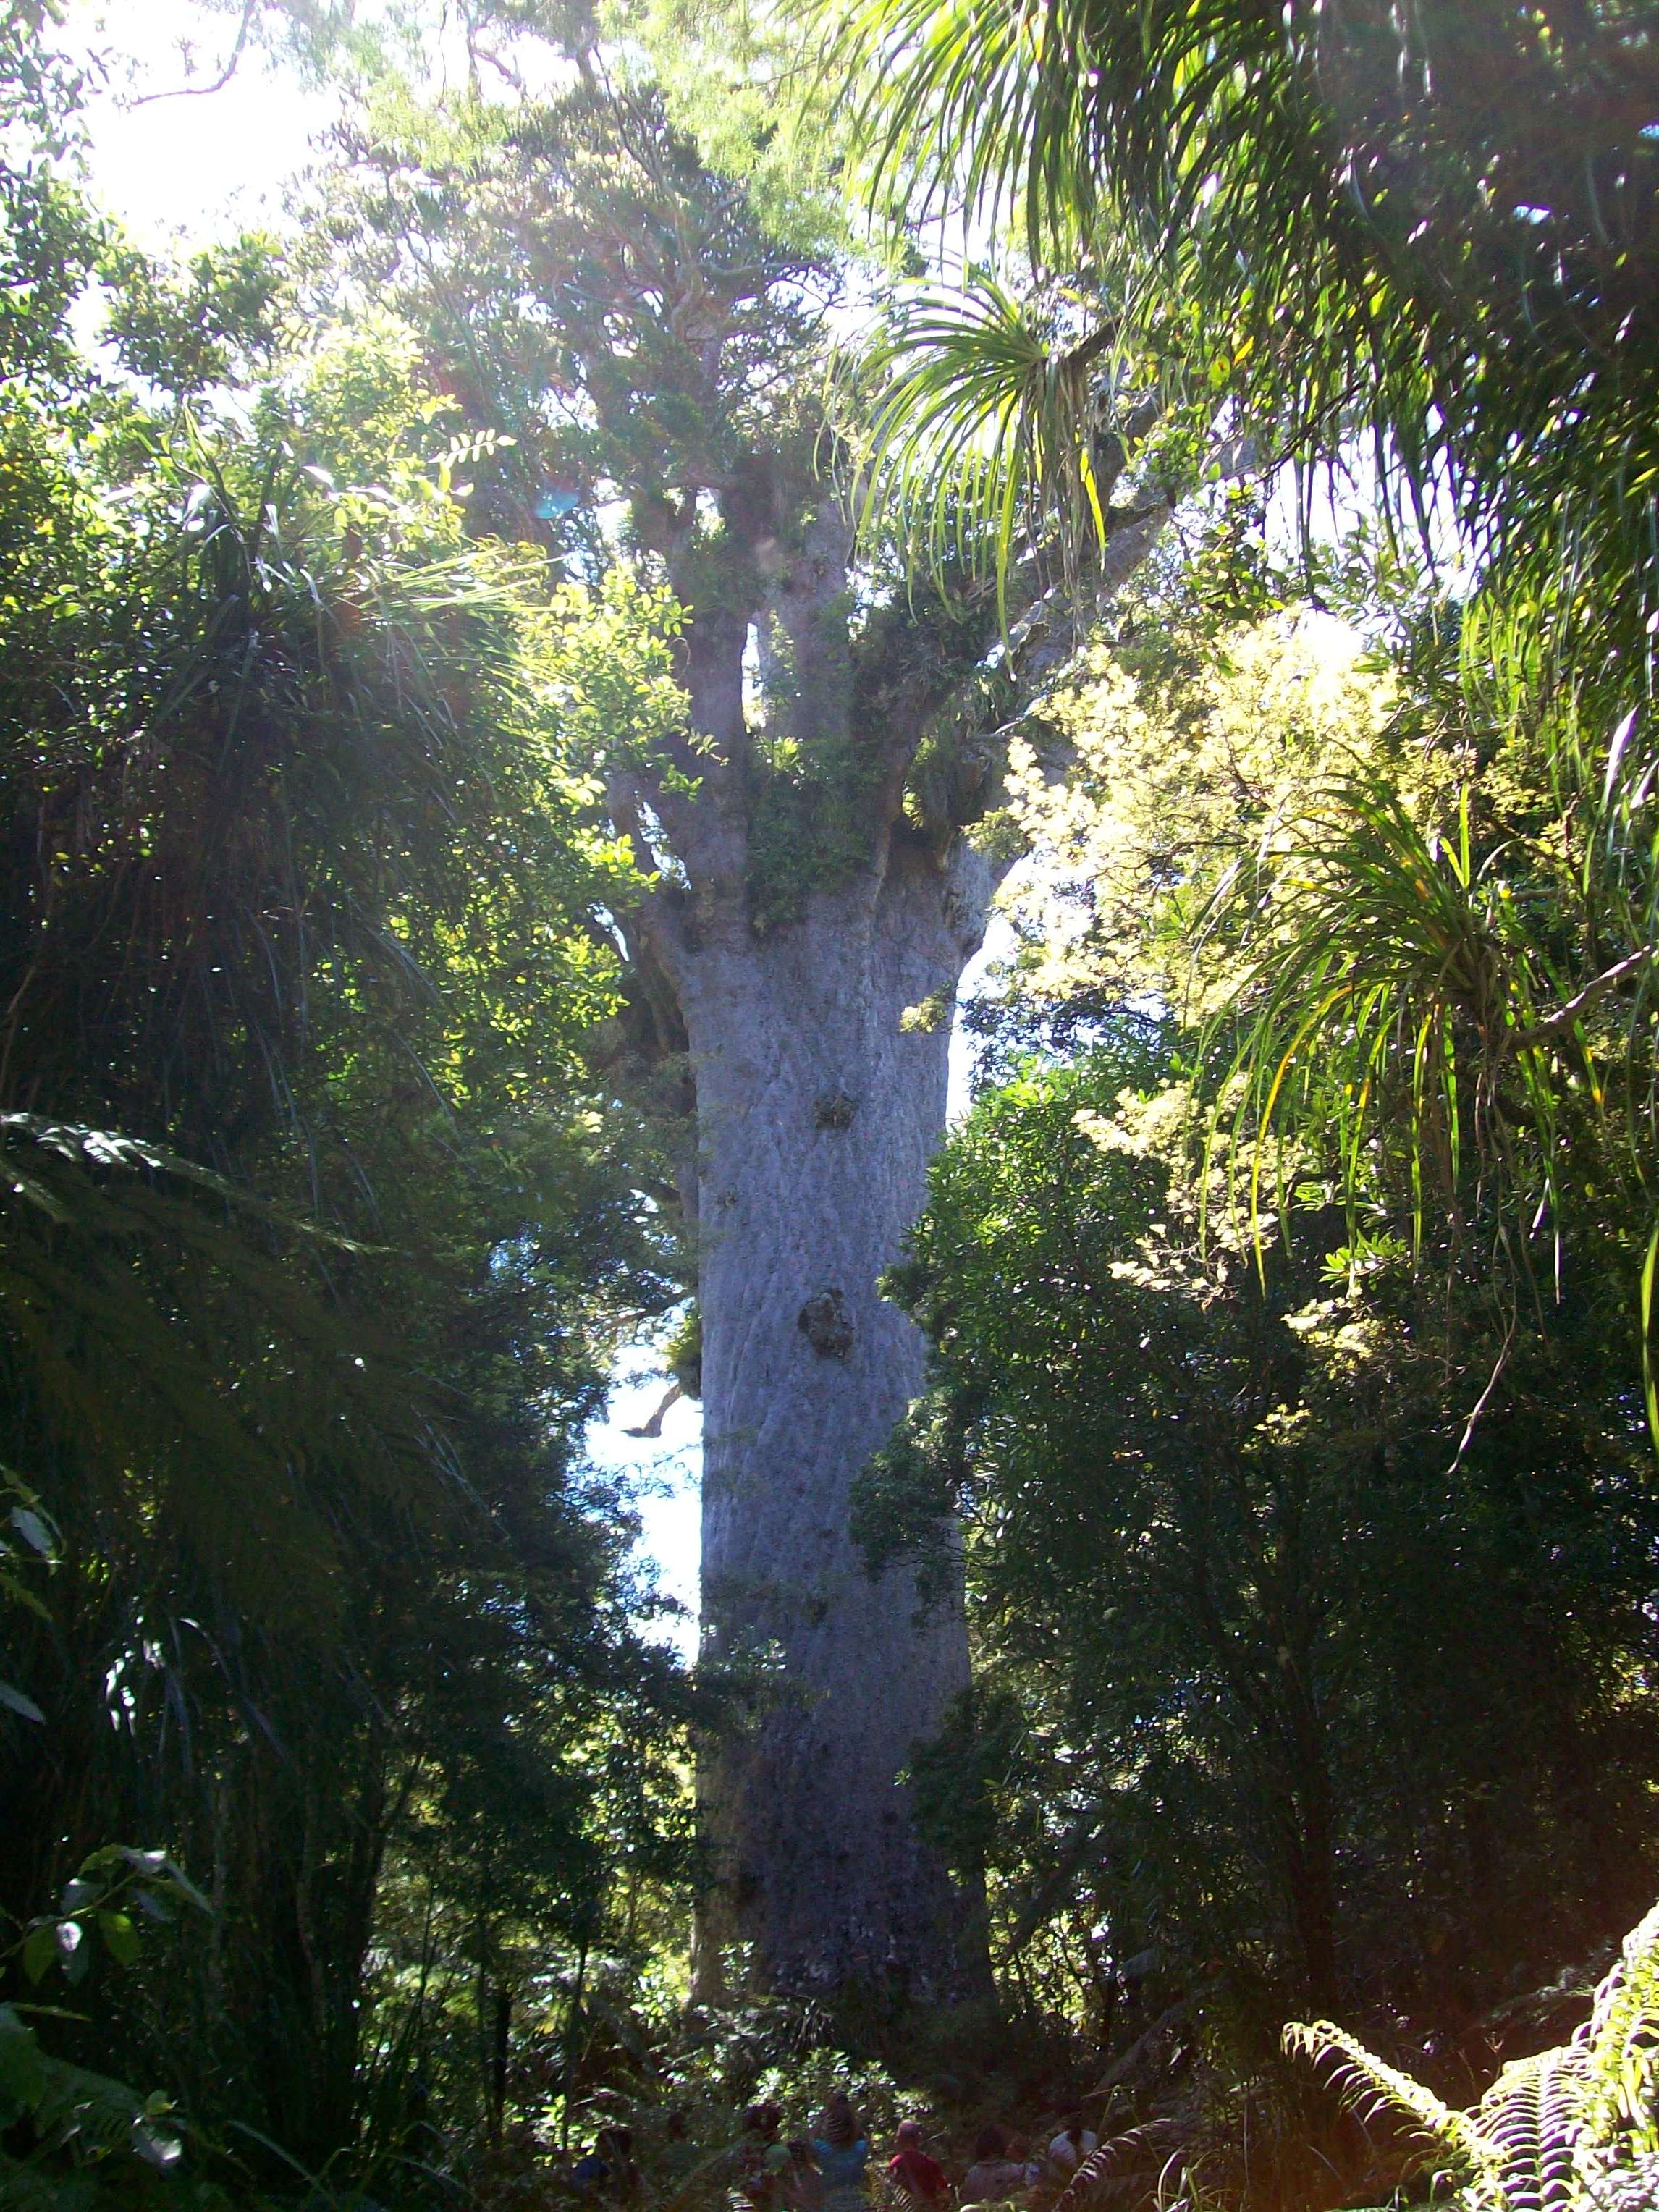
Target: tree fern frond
point(1475, 2155)
point(1534, 2113)
point(1571, 2126)
point(1112, 2154)
point(1621, 2041)
point(98, 1156)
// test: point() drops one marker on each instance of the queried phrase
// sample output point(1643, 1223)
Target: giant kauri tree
point(655, 353)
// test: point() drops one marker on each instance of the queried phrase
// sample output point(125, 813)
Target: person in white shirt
point(1068, 2149)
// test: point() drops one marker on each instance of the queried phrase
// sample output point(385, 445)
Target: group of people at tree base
point(826, 2170)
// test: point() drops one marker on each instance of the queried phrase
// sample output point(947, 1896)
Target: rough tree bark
point(817, 1106)
point(818, 1112)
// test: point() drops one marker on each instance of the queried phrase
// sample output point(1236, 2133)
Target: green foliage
point(185, 332)
point(738, 80)
point(28, 1544)
point(1160, 775)
point(1305, 239)
point(1407, 923)
point(96, 1901)
point(76, 2115)
point(50, 240)
point(102, 1362)
point(1215, 1528)
point(1406, 987)
point(1264, 1625)
point(315, 1241)
point(1463, 294)
point(75, 2129)
point(1444, 986)
point(682, 1353)
point(594, 293)
point(640, 328)
point(346, 729)
point(809, 825)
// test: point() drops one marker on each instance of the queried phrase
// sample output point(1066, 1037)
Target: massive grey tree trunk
point(818, 1106)
point(818, 1110)
point(805, 882)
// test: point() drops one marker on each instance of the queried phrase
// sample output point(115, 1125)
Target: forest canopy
point(710, 585)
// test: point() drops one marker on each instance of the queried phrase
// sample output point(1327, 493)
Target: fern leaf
point(1621, 2039)
point(1534, 2114)
point(1457, 2134)
point(1101, 2162)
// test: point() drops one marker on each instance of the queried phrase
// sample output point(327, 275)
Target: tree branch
point(197, 91)
point(1562, 1018)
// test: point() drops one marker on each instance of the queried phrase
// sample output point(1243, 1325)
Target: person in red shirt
point(921, 2177)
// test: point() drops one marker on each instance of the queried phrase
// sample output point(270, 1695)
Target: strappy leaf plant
point(1405, 983)
point(1445, 1007)
point(124, 1272)
point(998, 424)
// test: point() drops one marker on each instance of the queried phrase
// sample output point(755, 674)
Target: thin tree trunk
point(503, 2033)
point(572, 2057)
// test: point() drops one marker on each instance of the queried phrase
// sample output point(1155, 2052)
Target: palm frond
point(1109, 2157)
point(957, 433)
